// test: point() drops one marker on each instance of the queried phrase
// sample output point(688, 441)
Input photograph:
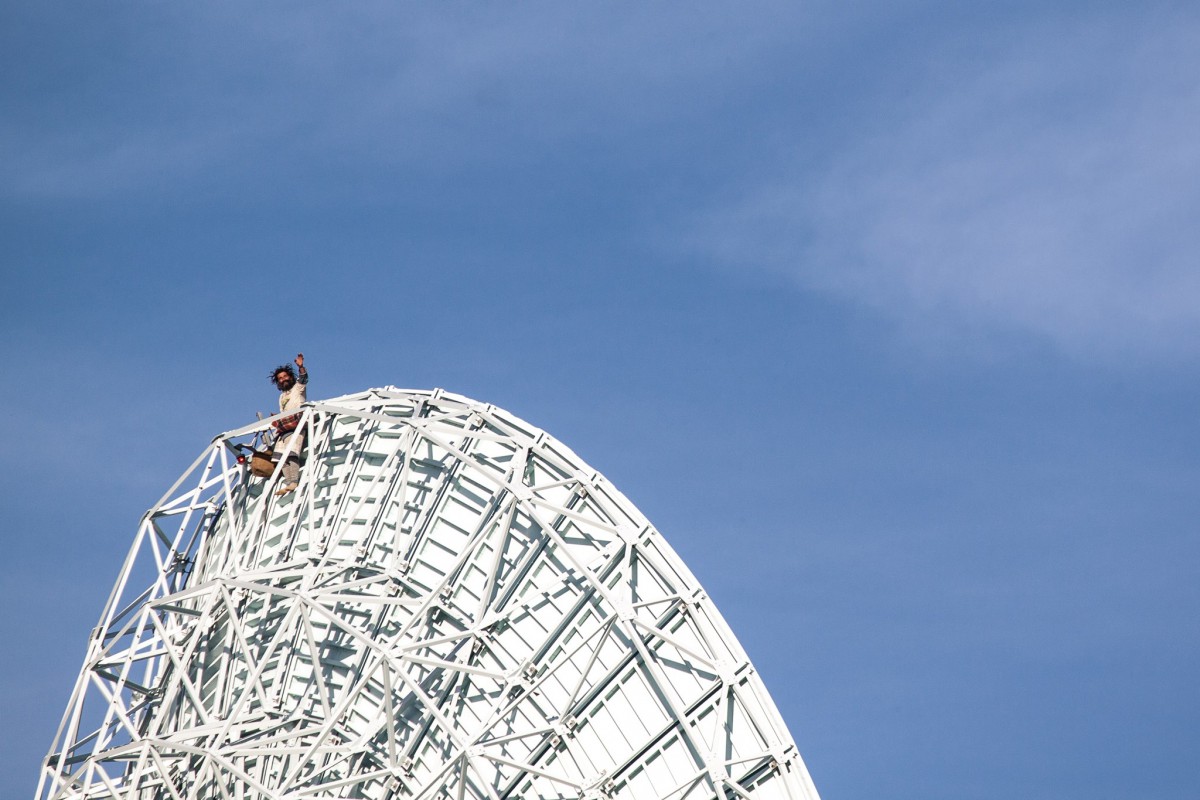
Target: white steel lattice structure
point(452, 605)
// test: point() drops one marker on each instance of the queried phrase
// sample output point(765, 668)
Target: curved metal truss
point(452, 605)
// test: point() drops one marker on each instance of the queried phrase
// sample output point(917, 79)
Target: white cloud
point(378, 83)
point(1052, 188)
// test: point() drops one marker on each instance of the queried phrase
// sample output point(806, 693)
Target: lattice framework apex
point(452, 605)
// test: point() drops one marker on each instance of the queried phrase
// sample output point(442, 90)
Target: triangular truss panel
point(452, 605)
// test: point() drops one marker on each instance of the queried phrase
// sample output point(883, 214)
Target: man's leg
point(291, 471)
point(291, 462)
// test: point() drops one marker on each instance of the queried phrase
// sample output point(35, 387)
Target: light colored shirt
point(291, 400)
point(294, 397)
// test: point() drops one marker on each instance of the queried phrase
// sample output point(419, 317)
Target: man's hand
point(300, 360)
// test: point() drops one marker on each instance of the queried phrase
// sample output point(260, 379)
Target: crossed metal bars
point(451, 605)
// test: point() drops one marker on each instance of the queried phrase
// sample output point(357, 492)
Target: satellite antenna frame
point(451, 605)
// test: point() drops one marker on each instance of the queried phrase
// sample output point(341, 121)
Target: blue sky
point(886, 314)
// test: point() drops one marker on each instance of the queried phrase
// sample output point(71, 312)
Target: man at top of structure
point(289, 440)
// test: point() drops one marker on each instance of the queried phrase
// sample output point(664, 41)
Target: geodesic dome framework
point(452, 605)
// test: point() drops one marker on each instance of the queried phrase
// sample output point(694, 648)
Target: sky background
point(886, 314)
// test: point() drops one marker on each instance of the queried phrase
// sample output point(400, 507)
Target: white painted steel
point(452, 605)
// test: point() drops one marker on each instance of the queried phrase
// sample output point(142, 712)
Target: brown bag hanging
point(262, 463)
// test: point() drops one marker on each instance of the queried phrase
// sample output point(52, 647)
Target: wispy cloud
point(1050, 187)
point(379, 84)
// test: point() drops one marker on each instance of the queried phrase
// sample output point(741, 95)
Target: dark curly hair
point(282, 368)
